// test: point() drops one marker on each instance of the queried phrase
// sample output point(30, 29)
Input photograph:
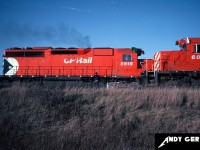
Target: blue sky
point(152, 25)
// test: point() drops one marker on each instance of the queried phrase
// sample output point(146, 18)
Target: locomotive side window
point(63, 52)
point(184, 47)
point(127, 57)
point(197, 48)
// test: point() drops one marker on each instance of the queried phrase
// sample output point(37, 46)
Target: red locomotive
point(187, 59)
point(109, 63)
point(185, 63)
point(67, 63)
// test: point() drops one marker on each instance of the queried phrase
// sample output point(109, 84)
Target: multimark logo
point(170, 139)
point(177, 141)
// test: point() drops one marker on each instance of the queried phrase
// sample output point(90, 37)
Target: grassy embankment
point(55, 116)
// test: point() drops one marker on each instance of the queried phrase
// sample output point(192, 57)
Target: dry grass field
point(72, 116)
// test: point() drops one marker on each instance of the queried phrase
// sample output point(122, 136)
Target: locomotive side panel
point(81, 62)
point(103, 62)
point(22, 62)
point(70, 62)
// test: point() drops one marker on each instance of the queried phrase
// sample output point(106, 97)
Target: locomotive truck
point(112, 64)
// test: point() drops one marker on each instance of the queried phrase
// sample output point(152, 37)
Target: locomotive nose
point(6, 66)
point(10, 66)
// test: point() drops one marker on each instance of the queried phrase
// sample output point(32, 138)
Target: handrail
point(63, 70)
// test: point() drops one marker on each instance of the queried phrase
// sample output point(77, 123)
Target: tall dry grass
point(75, 116)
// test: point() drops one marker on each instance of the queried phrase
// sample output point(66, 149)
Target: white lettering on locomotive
point(195, 57)
point(79, 60)
point(69, 60)
point(126, 63)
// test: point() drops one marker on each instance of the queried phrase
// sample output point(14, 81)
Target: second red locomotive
point(178, 64)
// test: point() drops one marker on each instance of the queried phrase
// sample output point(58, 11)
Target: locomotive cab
point(191, 45)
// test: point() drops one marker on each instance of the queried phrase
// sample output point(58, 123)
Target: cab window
point(127, 57)
point(184, 47)
point(197, 48)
